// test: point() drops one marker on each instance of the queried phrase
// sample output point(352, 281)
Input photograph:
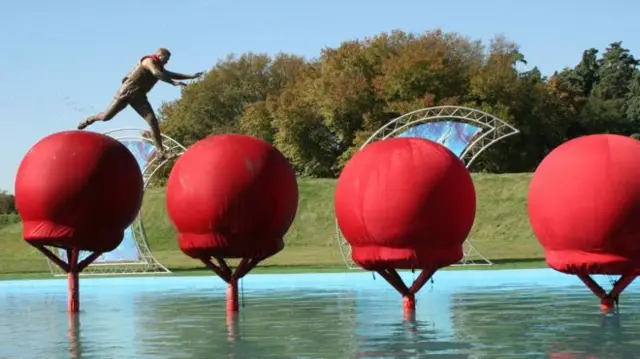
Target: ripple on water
point(324, 316)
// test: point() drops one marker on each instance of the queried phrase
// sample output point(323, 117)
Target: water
point(464, 314)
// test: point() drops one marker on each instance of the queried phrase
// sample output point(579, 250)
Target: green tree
point(7, 203)
point(573, 86)
point(633, 102)
point(614, 73)
point(521, 99)
point(302, 134)
point(256, 121)
point(319, 112)
point(606, 109)
point(216, 104)
point(587, 72)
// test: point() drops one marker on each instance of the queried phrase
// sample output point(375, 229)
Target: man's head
point(164, 55)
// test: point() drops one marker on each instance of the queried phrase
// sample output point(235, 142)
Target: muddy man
point(134, 89)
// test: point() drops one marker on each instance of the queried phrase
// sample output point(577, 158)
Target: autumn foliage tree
point(318, 112)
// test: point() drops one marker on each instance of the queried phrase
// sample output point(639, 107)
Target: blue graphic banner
point(128, 250)
point(456, 136)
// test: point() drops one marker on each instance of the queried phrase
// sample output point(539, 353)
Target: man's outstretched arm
point(160, 73)
point(179, 76)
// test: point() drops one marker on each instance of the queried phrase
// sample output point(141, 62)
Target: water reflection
point(384, 332)
point(548, 322)
point(322, 316)
point(75, 348)
point(282, 324)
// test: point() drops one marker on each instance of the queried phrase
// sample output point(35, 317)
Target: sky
point(61, 61)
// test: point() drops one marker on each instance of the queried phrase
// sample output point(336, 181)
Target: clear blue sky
point(62, 60)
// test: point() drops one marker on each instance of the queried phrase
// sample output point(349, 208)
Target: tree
point(216, 104)
point(7, 203)
point(319, 112)
point(587, 72)
point(606, 109)
point(614, 73)
point(633, 102)
point(302, 134)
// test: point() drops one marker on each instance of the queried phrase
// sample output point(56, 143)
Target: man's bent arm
point(178, 76)
point(161, 74)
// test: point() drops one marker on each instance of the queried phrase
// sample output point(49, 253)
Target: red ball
point(232, 196)
point(584, 205)
point(405, 203)
point(78, 189)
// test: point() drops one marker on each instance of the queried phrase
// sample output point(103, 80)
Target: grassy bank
point(501, 232)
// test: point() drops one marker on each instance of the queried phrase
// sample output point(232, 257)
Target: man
point(134, 89)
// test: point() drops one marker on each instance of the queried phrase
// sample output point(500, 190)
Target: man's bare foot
point(162, 155)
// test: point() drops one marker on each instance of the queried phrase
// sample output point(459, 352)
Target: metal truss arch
point(171, 146)
point(147, 263)
point(491, 130)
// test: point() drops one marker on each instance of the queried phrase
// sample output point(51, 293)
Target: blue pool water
point(462, 314)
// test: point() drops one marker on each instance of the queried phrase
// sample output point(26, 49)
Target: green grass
point(501, 232)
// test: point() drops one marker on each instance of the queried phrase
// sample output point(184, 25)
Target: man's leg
point(142, 106)
point(117, 105)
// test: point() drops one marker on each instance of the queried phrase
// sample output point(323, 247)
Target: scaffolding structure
point(491, 131)
point(146, 263)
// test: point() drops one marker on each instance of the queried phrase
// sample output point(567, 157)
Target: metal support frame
point(492, 130)
point(147, 264)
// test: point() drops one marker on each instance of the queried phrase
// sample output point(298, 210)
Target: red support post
point(409, 301)
point(622, 284)
point(422, 279)
point(592, 285)
point(609, 300)
point(214, 268)
point(72, 267)
point(392, 277)
point(408, 294)
point(232, 297)
point(223, 271)
point(73, 280)
point(73, 301)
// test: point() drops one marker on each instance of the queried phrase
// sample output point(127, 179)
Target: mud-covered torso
point(138, 81)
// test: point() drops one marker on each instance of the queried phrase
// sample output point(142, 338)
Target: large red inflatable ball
point(405, 203)
point(232, 196)
point(78, 189)
point(584, 205)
